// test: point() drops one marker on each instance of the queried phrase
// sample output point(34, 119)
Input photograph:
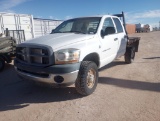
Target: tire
point(2, 64)
point(130, 55)
point(87, 79)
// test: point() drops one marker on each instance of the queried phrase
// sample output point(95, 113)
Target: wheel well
point(94, 57)
point(5, 58)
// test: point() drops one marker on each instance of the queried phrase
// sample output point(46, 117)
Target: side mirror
point(109, 30)
point(102, 33)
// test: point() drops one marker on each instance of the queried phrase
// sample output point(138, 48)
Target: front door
point(109, 43)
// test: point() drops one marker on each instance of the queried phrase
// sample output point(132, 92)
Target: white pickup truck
point(74, 52)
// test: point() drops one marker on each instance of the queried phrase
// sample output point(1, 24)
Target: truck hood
point(58, 40)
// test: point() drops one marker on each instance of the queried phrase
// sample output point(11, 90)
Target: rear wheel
point(87, 80)
point(129, 55)
point(2, 64)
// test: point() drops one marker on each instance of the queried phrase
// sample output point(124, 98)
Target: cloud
point(154, 24)
point(38, 17)
point(68, 17)
point(51, 17)
point(145, 17)
point(6, 5)
point(9, 11)
point(146, 14)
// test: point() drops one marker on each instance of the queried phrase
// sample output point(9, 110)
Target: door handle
point(115, 39)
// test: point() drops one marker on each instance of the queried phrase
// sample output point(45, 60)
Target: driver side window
point(107, 23)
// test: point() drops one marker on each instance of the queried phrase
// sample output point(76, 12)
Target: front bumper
point(67, 72)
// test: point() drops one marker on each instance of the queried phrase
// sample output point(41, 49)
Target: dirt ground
point(126, 92)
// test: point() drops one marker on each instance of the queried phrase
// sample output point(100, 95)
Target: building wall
point(32, 27)
point(14, 21)
point(131, 28)
point(44, 26)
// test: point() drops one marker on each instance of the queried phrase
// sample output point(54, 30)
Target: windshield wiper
point(70, 32)
point(61, 32)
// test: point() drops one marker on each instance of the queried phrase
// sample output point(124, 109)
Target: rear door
point(121, 35)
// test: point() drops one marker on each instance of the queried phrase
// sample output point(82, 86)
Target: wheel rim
point(91, 77)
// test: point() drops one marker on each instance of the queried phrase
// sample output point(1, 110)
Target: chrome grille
point(33, 55)
point(21, 52)
point(36, 51)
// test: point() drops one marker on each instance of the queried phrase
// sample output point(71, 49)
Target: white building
point(24, 27)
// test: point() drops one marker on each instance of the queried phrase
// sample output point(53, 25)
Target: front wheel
point(87, 80)
point(2, 64)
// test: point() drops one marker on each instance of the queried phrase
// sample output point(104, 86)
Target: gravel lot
point(126, 92)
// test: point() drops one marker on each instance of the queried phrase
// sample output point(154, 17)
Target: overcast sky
point(136, 11)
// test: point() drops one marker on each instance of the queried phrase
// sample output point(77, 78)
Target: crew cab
point(74, 51)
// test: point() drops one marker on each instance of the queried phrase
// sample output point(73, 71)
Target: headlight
point(67, 56)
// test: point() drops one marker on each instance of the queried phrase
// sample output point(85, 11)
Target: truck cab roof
point(101, 16)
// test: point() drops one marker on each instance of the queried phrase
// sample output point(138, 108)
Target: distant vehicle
point(142, 28)
point(75, 50)
point(155, 29)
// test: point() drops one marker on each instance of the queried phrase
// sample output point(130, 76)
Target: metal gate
point(19, 35)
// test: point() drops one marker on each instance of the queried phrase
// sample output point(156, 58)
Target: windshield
point(79, 25)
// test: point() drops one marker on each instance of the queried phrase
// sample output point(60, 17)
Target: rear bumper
point(68, 73)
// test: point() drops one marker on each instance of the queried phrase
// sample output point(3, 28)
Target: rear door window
point(118, 25)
